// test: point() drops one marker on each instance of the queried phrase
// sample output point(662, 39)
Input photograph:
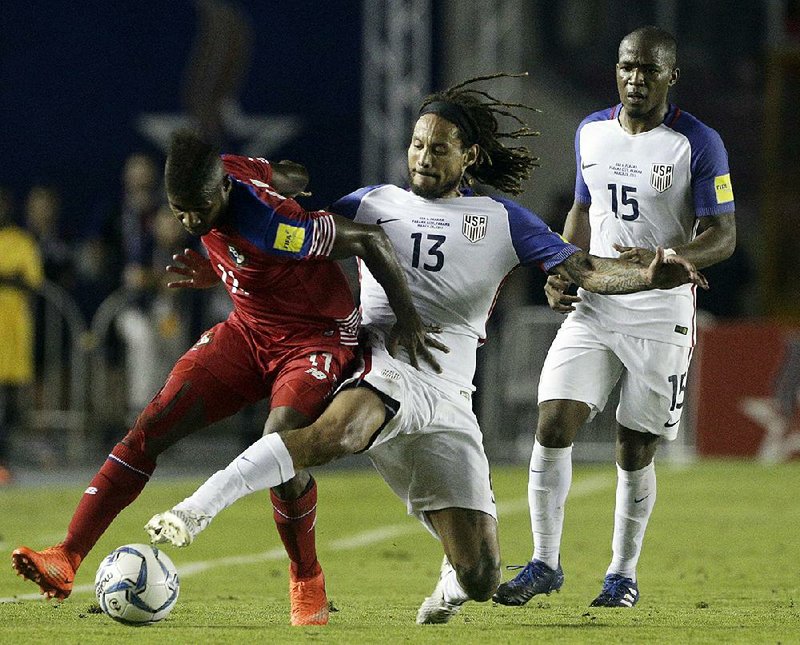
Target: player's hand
point(558, 300)
point(635, 254)
point(416, 338)
point(197, 271)
point(673, 271)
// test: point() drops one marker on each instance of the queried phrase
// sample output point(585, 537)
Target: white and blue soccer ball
point(137, 584)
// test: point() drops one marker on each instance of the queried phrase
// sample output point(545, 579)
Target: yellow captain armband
point(723, 188)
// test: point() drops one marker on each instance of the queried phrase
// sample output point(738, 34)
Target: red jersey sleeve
point(256, 168)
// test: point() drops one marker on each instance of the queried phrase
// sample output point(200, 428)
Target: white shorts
point(585, 362)
point(431, 451)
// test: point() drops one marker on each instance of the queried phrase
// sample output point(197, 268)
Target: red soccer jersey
point(272, 256)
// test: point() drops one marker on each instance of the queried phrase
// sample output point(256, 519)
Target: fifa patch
point(92, 490)
point(474, 227)
point(661, 176)
point(680, 329)
point(723, 188)
point(236, 255)
point(289, 238)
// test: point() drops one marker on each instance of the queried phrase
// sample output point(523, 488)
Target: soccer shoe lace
point(308, 600)
point(51, 569)
point(177, 527)
point(535, 578)
point(618, 591)
point(435, 610)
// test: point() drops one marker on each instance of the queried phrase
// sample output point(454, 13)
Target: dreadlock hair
point(475, 113)
point(193, 166)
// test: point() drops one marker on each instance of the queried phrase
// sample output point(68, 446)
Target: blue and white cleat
point(534, 579)
point(618, 591)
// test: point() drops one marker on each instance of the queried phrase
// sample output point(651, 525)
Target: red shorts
point(228, 369)
point(301, 377)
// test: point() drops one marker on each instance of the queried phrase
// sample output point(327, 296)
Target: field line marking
point(579, 488)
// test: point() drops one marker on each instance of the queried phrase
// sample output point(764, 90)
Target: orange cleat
point(309, 601)
point(51, 569)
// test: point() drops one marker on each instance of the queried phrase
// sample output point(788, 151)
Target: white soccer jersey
point(648, 190)
point(456, 253)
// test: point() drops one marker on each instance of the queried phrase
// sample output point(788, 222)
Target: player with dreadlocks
point(417, 425)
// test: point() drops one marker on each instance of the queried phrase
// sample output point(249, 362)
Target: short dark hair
point(497, 165)
point(656, 36)
point(193, 167)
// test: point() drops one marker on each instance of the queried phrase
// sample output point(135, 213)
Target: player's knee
point(559, 422)
point(479, 579)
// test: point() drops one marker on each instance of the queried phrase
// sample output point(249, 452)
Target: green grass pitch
point(721, 564)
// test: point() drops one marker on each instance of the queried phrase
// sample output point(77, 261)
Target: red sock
point(118, 482)
point(296, 519)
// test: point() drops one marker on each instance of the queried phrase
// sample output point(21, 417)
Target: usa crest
point(474, 227)
point(661, 176)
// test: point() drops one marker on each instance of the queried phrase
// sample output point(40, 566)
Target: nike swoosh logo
point(584, 166)
point(640, 499)
point(386, 221)
point(669, 425)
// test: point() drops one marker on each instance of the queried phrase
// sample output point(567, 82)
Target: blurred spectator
point(117, 249)
point(154, 327)
point(21, 272)
point(42, 218)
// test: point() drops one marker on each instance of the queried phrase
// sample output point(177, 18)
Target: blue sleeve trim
point(348, 205)
point(567, 251)
point(260, 224)
point(709, 160)
point(534, 242)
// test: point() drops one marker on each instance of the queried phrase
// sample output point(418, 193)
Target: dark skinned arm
point(714, 243)
point(614, 276)
point(606, 275)
point(289, 178)
point(372, 245)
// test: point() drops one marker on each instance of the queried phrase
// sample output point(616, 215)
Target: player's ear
point(676, 72)
point(471, 154)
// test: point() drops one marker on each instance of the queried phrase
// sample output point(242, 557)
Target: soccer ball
point(137, 584)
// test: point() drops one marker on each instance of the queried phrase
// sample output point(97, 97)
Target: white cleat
point(176, 527)
point(435, 610)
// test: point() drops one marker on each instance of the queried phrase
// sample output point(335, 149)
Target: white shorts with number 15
point(585, 362)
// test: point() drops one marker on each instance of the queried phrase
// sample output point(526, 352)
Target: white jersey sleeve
point(648, 190)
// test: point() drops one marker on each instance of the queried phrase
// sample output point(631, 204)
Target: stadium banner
point(746, 391)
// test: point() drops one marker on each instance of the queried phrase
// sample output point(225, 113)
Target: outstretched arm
point(372, 245)
point(715, 243)
point(619, 276)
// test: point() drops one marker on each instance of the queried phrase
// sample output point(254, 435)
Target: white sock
point(453, 591)
point(264, 464)
point(636, 496)
point(548, 484)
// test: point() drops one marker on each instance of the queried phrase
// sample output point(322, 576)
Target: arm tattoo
point(605, 275)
